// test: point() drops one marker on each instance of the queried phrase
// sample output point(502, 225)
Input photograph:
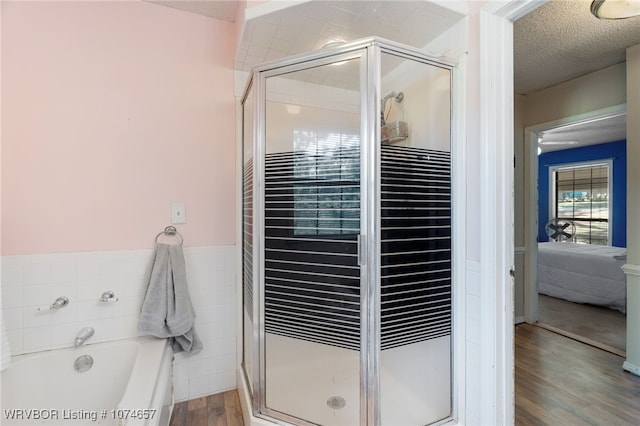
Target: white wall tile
point(180, 366)
point(89, 290)
point(13, 318)
point(224, 363)
point(63, 335)
point(130, 328)
point(87, 311)
point(200, 367)
point(18, 259)
point(31, 317)
point(111, 309)
point(37, 338)
point(130, 305)
point(198, 386)
point(180, 388)
point(87, 268)
point(63, 315)
point(11, 274)
point(12, 297)
point(32, 280)
point(36, 273)
point(36, 295)
point(224, 381)
point(50, 258)
point(63, 288)
point(110, 329)
point(63, 272)
point(227, 346)
point(16, 339)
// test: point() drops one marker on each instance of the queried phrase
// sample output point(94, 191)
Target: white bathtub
point(129, 383)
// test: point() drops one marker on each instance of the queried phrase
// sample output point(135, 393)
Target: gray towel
point(167, 311)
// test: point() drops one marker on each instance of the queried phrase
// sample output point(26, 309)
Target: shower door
point(312, 221)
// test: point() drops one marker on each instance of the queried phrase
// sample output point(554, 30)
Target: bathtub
point(129, 382)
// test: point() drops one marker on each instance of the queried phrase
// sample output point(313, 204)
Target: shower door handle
point(362, 250)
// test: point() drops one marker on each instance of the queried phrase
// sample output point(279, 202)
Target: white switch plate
point(178, 214)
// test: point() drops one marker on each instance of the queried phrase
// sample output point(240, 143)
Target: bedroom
point(583, 98)
point(582, 231)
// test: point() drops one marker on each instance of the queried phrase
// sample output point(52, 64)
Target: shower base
point(305, 379)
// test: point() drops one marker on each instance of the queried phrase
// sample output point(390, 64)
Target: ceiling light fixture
point(615, 9)
point(542, 142)
point(332, 44)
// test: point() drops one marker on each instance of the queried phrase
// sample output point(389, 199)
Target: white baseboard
point(245, 402)
point(631, 368)
point(518, 320)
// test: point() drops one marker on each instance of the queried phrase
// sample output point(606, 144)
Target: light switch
point(178, 213)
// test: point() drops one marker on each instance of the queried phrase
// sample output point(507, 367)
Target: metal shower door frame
point(369, 51)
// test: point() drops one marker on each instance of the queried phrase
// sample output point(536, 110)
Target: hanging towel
point(167, 311)
point(5, 350)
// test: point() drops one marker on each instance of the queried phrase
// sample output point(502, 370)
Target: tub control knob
point(60, 302)
point(83, 363)
point(108, 296)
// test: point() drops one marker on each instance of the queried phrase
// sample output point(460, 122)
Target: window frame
point(608, 162)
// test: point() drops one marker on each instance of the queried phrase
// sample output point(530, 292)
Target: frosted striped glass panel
point(247, 239)
point(416, 245)
point(312, 278)
point(416, 294)
point(311, 227)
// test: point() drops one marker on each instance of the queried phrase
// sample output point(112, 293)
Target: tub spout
point(83, 335)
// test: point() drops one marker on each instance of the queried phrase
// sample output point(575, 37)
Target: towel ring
point(170, 231)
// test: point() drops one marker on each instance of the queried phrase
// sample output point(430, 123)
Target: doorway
point(561, 292)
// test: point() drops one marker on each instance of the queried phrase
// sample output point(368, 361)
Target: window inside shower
point(326, 192)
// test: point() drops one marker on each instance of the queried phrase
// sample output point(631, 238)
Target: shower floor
point(415, 383)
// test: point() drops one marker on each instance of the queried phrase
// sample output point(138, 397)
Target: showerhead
point(397, 96)
point(390, 95)
point(383, 103)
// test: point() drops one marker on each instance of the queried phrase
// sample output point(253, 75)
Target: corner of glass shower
point(347, 237)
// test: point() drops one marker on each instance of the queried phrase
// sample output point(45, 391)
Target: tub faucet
point(108, 296)
point(83, 335)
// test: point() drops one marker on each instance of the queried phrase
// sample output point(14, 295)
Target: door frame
point(531, 199)
point(496, 358)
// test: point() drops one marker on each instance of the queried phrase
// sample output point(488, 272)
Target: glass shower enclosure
point(347, 285)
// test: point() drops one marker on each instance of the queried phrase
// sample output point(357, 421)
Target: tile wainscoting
point(30, 281)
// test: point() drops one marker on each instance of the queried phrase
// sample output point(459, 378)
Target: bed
point(583, 273)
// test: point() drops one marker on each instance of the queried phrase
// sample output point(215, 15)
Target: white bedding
point(583, 273)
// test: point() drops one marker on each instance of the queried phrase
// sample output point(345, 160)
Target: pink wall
point(111, 111)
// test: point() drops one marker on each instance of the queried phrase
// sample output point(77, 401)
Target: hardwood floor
point(560, 381)
point(595, 325)
point(222, 409)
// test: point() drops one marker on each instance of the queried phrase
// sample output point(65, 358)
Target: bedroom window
point(582, 194)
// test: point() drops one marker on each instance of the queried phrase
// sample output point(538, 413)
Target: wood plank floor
point(560, 381)
point(222, 409)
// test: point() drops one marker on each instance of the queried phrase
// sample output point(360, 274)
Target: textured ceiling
point(562, 40)
point(219, 9)
point(311, 25)
point(601, 130)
